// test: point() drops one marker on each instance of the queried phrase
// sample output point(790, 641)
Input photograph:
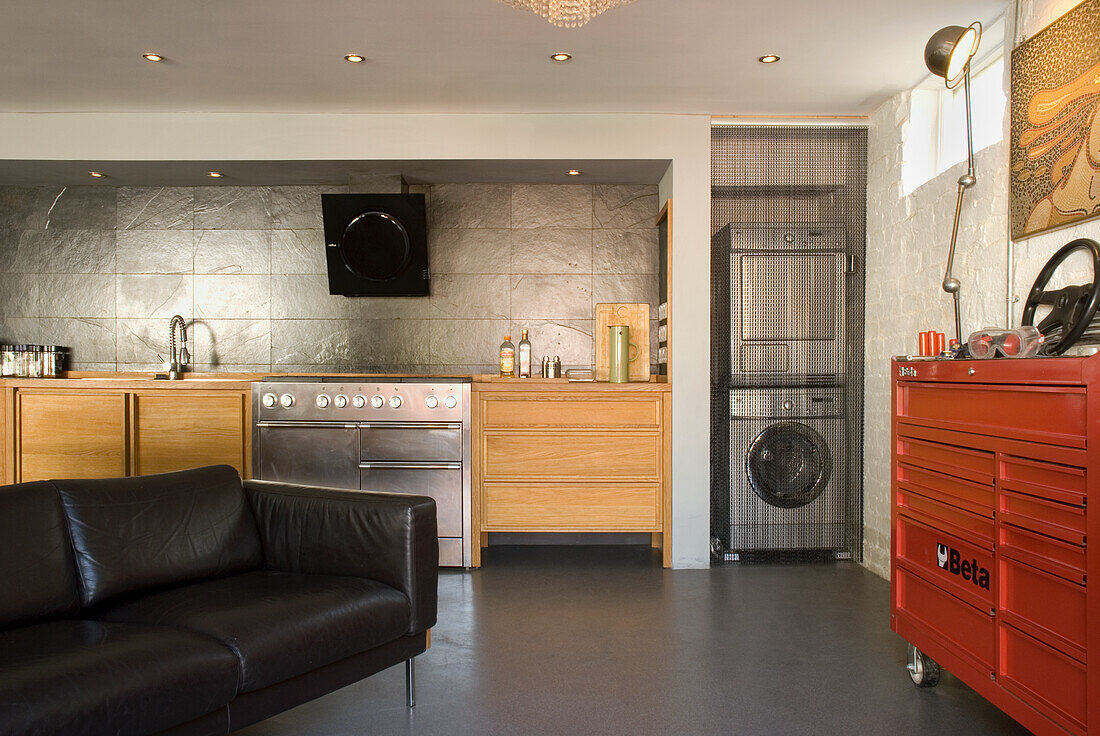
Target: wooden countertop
point(239, 381)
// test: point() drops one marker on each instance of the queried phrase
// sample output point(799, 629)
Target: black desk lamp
point(948, 54)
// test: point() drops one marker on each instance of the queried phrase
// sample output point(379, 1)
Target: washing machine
point(786, 474)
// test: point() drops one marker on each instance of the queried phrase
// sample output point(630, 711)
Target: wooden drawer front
point(965, 628)
point(941, 516)
point(1054, 415)
point(1045, 678)
point(176, 430)
point(963, 568)
point(1046, 480)
point(66, 434)
point(1054, 519)
point(974, 465)
point(581, 455)
point(1046, 606)
point(570, 410)
point(968, 495)
point(1048, 553)
point(580, 507)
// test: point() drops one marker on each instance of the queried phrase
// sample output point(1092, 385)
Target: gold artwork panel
point(1055, 149)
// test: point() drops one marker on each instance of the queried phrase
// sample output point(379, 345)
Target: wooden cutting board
point(637, 317)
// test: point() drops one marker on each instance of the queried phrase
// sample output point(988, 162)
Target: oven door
point(442, 481)
point(310, 453)
point(411, 441)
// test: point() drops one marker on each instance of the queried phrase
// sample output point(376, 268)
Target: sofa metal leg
point(410, 683)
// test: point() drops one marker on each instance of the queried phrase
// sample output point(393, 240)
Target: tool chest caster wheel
point(923, 670)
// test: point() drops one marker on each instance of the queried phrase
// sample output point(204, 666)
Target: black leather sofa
point(193, 603)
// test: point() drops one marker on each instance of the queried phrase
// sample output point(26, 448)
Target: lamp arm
point(951, 284)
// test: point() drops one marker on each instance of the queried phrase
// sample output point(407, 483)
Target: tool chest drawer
point(1059, 520)
point(960, 462)
point(1061, 483)
point(1053, 683)
point(974, 497)
point(938, 515)
point(1054, 555)
point(961, 626)
point(1049, 607)
point(962, 568)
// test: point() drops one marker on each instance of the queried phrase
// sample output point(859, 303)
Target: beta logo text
point(951, 560)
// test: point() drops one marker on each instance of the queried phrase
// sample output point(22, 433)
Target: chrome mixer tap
point(178, 361)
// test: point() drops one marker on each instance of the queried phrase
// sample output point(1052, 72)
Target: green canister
point(619, 353)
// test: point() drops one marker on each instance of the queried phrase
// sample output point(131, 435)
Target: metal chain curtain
point(810, 175)
point(567, 13)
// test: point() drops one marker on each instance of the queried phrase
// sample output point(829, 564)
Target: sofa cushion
point(89, 678)
point(280, 625)
point(134, 534)
point(37, 576)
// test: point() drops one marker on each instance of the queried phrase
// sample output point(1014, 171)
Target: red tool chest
point(992, 473)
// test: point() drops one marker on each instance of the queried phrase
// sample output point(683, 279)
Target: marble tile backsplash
point(101, 269)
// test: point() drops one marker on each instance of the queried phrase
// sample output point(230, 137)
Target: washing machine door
point(788, 465)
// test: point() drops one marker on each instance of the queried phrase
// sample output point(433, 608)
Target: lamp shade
point(950, 49)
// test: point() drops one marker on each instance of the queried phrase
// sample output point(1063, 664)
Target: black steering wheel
point(1073, 307)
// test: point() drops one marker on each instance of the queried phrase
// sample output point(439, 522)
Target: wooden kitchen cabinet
point(89, 428)
point(553, 456)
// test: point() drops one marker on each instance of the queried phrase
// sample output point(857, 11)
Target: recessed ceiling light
point(574, 172)
point(214, 174)
point(561, 56)
point(150, 56)
point(355, 58)
point(96, 174)
point(768, 59)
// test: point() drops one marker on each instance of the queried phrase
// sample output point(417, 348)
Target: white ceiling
point(698, 56)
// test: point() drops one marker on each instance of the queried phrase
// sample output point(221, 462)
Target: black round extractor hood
point(375, 246)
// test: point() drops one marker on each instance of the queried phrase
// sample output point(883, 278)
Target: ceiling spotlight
point(150, 56)
point(95, 174)
point(768, 59)
point(355, 58)
point(561, 56)
point(214, 174)
point(574, 172)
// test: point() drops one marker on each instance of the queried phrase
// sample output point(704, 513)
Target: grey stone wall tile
point(549, 250)
point(310, 342)
point(21, 330)
point(387, 307)
point(155, 251)
point(389, 342)
point(76, 251)
point(91, 340)
point(144, 342)
point(468, 250)
point(20, 295)
point(240, 297)
point(551, 205)
point(475, 341)
point(624, 205)
point(25, 208)
point(470, 296)
point(76, 295)
point(298, 251)
point(93, 207)
point(156, 208)
point(231, 341)
point(625, 251)
point(159, 296)
point(20, 251)
point(570, 339)
point(551, 297)
point(470, 205)
point(233, 251)
point(233, 208)
point(305, 296)
point(625, 289)
point(298, 207)
point(231, 368)
point(78, 365)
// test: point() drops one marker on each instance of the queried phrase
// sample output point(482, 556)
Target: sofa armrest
point(388, 537)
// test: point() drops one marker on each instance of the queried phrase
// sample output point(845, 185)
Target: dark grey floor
point(601, 640)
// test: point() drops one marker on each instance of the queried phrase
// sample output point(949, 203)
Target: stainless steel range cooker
point(398, 435)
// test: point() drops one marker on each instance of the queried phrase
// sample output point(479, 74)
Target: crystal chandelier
point(567, 13)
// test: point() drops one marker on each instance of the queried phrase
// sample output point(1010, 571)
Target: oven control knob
point(396, 402)
point(788, 405)
point(322, 401)
point(286, 400)
point(359, 401)
point(270, 400)
point(340, 401)
point(432, 401)
point(450, 402)
point(377, 401)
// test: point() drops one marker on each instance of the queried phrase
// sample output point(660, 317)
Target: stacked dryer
point(778, 378)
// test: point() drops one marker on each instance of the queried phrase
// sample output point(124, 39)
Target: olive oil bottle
point(507, 358)
point(524, 356)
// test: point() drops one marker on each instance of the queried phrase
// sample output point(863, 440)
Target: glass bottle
point(524, 356)
point(507, 358)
